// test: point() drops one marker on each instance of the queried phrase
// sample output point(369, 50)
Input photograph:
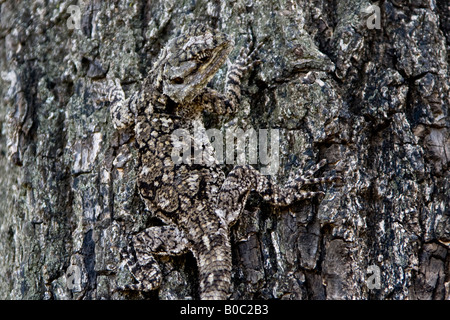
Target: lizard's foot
point(104, 91)
point(245, 61)
point(163, 240)
point(144, 268)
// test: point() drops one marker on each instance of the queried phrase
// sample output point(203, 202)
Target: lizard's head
point(192, 60)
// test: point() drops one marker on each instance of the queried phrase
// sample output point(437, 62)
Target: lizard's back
point(185, 194)
point(174, 188)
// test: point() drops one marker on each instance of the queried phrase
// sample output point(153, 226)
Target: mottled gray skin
point(196, 201)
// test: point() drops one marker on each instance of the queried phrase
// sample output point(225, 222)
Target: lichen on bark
point(372, 101)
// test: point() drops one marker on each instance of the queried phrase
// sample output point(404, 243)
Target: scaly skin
point(196, 201)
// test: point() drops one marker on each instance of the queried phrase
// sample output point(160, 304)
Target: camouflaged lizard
point(197, 202)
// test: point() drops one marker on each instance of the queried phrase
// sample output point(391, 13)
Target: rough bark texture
point(372, 101)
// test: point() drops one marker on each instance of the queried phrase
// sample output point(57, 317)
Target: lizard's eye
point(203, 56)
point(178, 80)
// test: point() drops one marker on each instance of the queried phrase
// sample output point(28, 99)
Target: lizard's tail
point(214, 265)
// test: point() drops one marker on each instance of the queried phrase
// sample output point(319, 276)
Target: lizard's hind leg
point(164, 240)
point(143, 267)
point(314, 169)
point(243, 179)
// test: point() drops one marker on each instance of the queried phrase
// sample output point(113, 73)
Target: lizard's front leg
point(243, 64)
point(227, 103)
point(122, 110)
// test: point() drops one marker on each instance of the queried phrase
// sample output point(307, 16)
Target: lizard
point(197, 202)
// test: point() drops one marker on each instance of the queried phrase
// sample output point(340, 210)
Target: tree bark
point(362, 84)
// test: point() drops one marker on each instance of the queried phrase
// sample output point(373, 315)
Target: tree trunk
point(361, 84)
